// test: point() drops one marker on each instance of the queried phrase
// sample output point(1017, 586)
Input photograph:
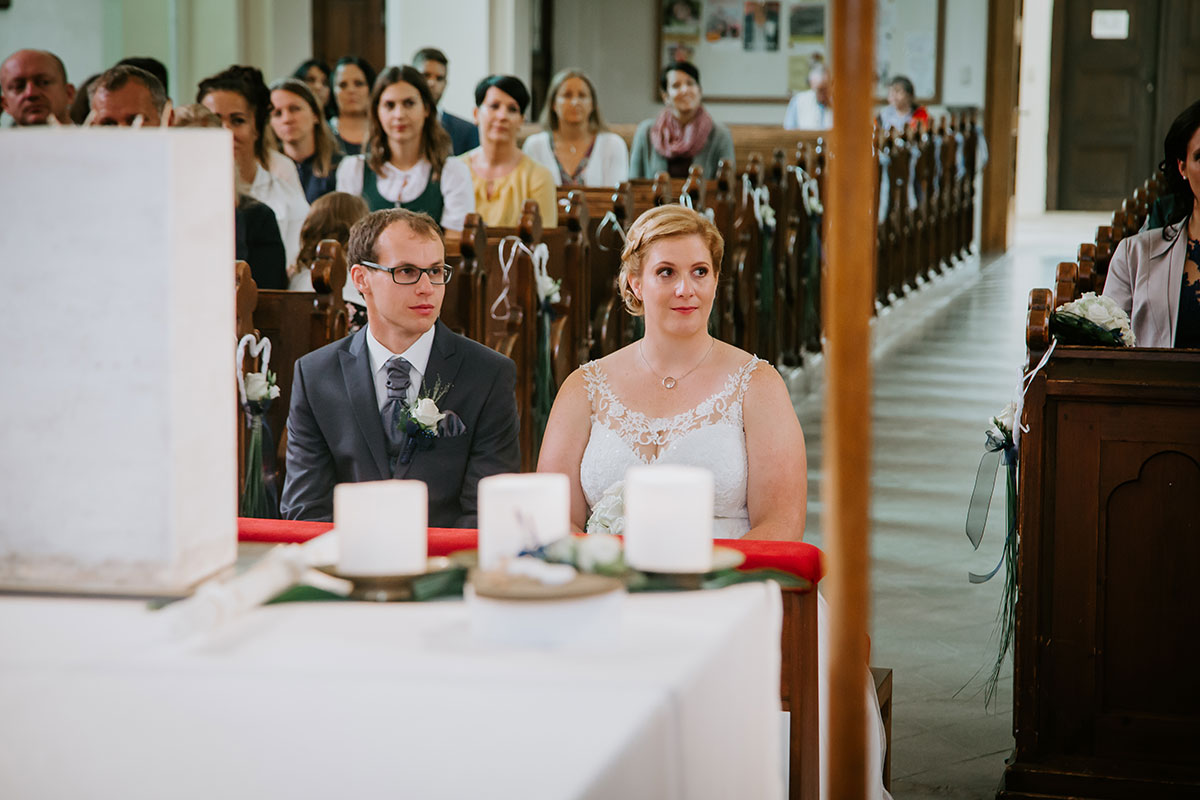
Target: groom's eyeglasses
point(407, 274)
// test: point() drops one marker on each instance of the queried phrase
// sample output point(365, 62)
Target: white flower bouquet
point(1092, 321)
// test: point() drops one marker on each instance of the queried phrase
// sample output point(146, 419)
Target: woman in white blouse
point(240, 98)
point(406, 161)
point(576, 147)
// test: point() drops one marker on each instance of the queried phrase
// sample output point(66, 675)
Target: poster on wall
point(761, 27)
point(723, 23)
point(681, 18)
point(806, 24)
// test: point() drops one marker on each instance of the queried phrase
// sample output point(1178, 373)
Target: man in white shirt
point(812, 110)
point(354, 413)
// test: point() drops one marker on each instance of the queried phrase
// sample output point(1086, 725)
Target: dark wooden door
point(1105, 103)
point(349, 28)
point(1178, 65)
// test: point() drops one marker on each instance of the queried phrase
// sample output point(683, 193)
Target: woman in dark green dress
point(406, 160)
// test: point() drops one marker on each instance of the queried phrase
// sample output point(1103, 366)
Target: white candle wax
point(517, 512)
point(668, 518)
point(381, 527)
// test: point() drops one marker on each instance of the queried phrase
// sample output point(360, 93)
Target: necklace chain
point(667, 381)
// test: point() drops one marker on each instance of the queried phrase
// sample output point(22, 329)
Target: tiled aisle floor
point(932, 399)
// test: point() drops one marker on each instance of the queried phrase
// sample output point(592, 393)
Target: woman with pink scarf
point(683, 134)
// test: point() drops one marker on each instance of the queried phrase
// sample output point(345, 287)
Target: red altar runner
point(797, 558)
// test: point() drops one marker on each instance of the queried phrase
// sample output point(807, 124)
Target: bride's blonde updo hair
point(653, 226)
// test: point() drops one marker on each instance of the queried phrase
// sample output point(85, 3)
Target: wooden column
point(847, 304)
point(1000, 125)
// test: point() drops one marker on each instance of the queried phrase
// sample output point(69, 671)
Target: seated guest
point(331, 217)
point(304, 137)
point(352, 82)
point(256, 234)
point(503, 176)
point(351, 399)
point(1155, 276)
point(812, 110)
point(683, 134)
point(678, 396)
point(315, 75)
point(407, 162)
point(432, 63)
point(902, 109)
point(34, 88)
point(151, 65)
point(240, 98)
point(575, 146)
point(124, 94)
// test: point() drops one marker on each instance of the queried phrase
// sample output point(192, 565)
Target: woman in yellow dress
point(503, 176)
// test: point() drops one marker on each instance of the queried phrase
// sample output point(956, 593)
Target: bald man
point(34, 88)
point(124, 93)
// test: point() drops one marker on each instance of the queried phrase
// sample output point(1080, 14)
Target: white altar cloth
point(397, 700)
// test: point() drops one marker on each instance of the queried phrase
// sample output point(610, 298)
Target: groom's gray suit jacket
point(335, 433)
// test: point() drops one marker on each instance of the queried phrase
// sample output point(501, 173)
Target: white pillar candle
point(517, 512)
point(381, 527)
point(668, 518)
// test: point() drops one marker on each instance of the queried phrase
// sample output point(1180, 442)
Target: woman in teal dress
point(406, 162)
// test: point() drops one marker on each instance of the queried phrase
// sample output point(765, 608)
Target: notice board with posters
point(762, 50)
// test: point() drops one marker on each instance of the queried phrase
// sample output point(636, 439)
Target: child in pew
point(331, 217)
point(256, 232)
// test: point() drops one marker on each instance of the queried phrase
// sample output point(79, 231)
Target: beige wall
point(615, 43)
point(194, 38)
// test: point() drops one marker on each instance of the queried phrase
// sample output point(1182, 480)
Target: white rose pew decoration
point(421, 421)
point(549, 308)
point(1092, 321)
point(256, 391)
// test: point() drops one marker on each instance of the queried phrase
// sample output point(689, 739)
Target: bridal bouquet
point(1092, 321)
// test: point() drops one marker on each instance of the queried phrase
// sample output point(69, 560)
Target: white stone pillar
point(118, 468)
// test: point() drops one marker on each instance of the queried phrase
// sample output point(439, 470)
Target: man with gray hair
point(812, 110)
point(124, 93)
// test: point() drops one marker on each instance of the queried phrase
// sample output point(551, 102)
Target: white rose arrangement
point(1093, 320)
point(608, 515)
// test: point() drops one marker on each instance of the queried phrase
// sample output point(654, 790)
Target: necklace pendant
point(668, 382)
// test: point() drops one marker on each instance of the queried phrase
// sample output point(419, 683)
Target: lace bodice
point(709, 435)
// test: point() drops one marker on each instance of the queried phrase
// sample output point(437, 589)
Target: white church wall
point(413, 24)
point(1033, 118)
point(67, 29)
point(614, 42)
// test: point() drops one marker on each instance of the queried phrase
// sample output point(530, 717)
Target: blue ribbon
point(998, 450)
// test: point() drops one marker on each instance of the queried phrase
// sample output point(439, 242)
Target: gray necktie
point(399, 380)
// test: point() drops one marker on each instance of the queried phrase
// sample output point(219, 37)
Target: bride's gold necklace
point(667, 381)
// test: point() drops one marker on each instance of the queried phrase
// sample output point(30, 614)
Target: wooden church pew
point(1108, 606)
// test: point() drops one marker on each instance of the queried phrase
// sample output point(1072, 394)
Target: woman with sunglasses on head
point(242, 101)
point(575, 145)
point(503, 176)
point(304, 137)
point(406, 163)
point(352, 81)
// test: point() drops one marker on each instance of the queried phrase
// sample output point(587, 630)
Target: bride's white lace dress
point(709, 435)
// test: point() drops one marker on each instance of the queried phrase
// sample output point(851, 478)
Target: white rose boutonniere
point(426, 412)
point(422, 422)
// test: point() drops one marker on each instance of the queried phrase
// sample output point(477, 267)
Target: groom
point(351, 417)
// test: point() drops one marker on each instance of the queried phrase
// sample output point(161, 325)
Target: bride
point(679, 396)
